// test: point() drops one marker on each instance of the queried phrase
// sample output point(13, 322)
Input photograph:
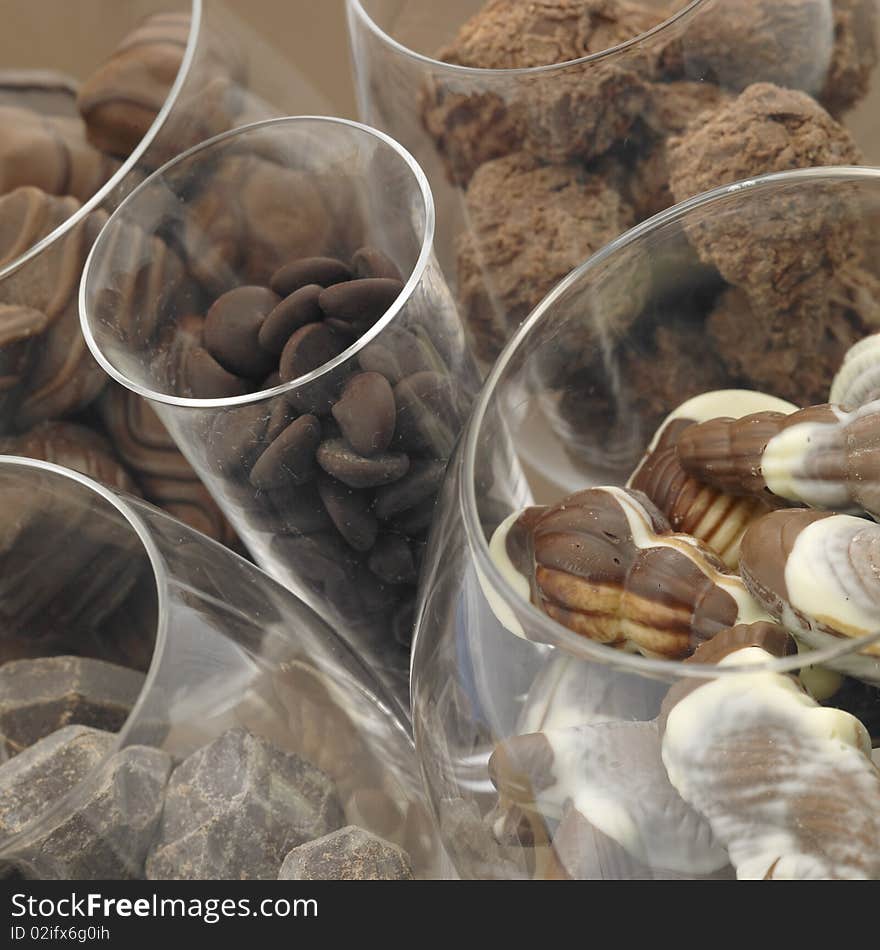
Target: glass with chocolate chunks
point(142, 81)
point(549, 128)
point(168, 711)
point(310, 363)
point(666, 662)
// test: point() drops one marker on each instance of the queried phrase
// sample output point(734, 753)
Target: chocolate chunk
point(392, 561)
point(206, 378)
point(420, 484)
point(360, 302)
point(295, 311)
point(308, 349)
point(350, 510)
point(232, 330)
point(427, 418)
point(371, 262)
point(324, 271)
point(366, 413)
point(349, 854)
point(236, 807)
point(39, 696)
point(117, 807)
point(291, 456)
point(338, 459)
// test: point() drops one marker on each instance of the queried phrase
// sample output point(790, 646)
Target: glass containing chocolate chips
point(307, 357)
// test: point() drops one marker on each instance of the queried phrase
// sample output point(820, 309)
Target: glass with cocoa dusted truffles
point(309, 362)
point(168, 711)
point(549, 128)
point(94, 96)
point(666, 664)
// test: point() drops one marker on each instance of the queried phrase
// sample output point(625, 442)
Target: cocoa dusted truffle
point(854, 57)
point(530, 225)
point(740, 42)
point(768, 129)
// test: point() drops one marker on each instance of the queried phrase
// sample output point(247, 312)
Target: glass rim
point(554, 633)
point(356, 8)
point(263, 395)
point(98, 198)
point(160, 577)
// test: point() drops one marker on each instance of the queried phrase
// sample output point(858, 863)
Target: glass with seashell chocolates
point(650, 640)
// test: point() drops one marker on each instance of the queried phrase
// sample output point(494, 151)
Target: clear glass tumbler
point(545, 752)
point(138, 657)
point(342, 525)
point(548, 129)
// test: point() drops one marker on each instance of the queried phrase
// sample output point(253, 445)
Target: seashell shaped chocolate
point(817, 573)
point(605, 563)
point(822, 456)
point(786, 785)
point(692, 506)
point(857, 382)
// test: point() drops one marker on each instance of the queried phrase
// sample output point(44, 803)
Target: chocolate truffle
point(783, 245)
point(740, 42)
point(530, 225)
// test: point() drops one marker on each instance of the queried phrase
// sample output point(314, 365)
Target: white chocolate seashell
point(858, 380)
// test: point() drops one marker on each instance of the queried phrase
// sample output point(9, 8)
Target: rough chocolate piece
point(349, 854)
point(72, 446)
point(106, 831)
point(164, 475)
point(531, 224)
point(56, 373)
point(854, 57)
point(775, 248)
point(366, 413)
point(785, 42)
point(236, 807)
point(232, 329)
point(39, 696)
point(50, 153)
point(120, 101)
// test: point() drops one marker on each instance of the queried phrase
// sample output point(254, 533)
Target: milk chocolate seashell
point(819, 575)
point(786, 785)
point(857, 382)
point(692, 506)
point(605, 563)
point(821, 456)
point(50, 153)
point(61, 376)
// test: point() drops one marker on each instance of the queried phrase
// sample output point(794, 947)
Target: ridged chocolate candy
point(787, 786)
point(857, 382)
point(605, 563)
point(821, 456)
point(819, 575)
point(691, 506)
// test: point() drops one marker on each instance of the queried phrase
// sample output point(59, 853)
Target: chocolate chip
point(309, 348)
point(391, 560)
point(323, 559)
point(232, 330)
point(291, 456)
point(291, 510)
point(398, 354)
point(427, 418)
point(371, 262)
point(366, 413)
point(350, 510)
point(325, 271)
point(295, 311)
point(415, 520)
point(338, 459)
point(206, 378)
point(420, 483)
point(279, 418)
point(238, 438)
point(360, 302)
